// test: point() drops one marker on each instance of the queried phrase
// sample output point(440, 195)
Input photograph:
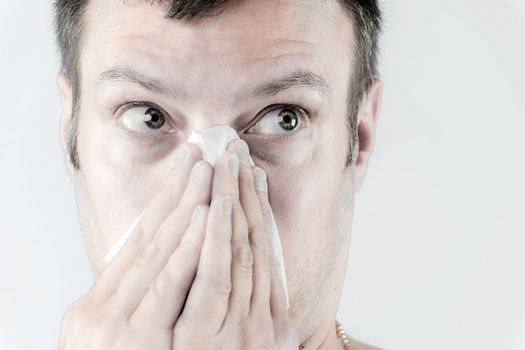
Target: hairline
point(357, 83)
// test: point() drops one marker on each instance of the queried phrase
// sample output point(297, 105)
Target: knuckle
point(140, 238)
point(78, 319)
point(188, 248)
point(150, 251)
point(247, 178)
point(160, 283)
point(241, 221)
point(142, 233)
point(109, 336)
point(290, 338)
point(94, 325)
point(265, 209)
point(184, 327)
point(71, 314)
point(256, 226)
point(263, 335)
point(243, 255)
point(260, 247)
point(222, 233)
point(79, 308)
point(267, 338)
point(100, 290)
point(166, 283)
point(220, 283)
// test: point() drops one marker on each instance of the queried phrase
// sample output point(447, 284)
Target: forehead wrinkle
point(287, 53)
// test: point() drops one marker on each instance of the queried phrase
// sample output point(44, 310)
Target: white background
point(438, 249)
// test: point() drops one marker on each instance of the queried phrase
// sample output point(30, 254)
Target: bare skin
point(208, 67)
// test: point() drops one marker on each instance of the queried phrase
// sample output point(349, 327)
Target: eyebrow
point(298, 78)
point(123, 74)
point(295, 79)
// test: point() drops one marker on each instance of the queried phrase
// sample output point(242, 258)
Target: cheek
point(120, 180)
point(310, 201)
point(281, 156)
point(304, 180)
point(301, 200)
point(301, 196)
point(304, 201)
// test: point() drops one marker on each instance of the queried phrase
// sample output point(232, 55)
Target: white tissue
point(212, 142)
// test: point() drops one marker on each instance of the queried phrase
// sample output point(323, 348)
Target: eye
point(144, 120)
point(279, 121)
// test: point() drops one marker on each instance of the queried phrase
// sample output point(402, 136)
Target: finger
point(156, 212)
point(169, 198)
point(242, 258)
point(162, 304)
point(225, 183)
point(207, 302)
point(225, 176)
point(156, 252)
point(260, 239)
point(253, 191)
point(240, 147)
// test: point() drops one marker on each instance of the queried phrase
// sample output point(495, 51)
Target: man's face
point(205, 73)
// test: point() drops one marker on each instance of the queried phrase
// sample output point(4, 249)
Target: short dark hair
point(367, 23)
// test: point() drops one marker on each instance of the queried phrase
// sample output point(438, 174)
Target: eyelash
point(302, 112)
point(127, 106)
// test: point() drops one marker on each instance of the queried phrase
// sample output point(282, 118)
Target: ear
point(66, 98)
point(366, 127)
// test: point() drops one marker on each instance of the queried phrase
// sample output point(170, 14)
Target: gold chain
point(341, 334)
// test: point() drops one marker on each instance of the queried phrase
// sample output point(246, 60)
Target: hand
point(137, 298)
point(236, 300)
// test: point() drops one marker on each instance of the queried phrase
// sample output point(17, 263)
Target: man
point(297, 80)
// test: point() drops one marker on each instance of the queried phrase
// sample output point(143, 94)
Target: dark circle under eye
point(154, 118)
point(288, 119)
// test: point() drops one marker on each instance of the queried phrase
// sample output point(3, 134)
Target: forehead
point(249, 37)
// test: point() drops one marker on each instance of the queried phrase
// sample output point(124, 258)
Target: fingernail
point(183, 154)
point(227, 206)
point(259, 177)
point(233, 163)
point(196, 213)
point(196, 171)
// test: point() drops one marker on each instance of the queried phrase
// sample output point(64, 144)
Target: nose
point(201, 122)
point(213, 141)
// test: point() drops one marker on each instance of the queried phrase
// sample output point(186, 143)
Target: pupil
point(153, 118)
point(288, 119)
